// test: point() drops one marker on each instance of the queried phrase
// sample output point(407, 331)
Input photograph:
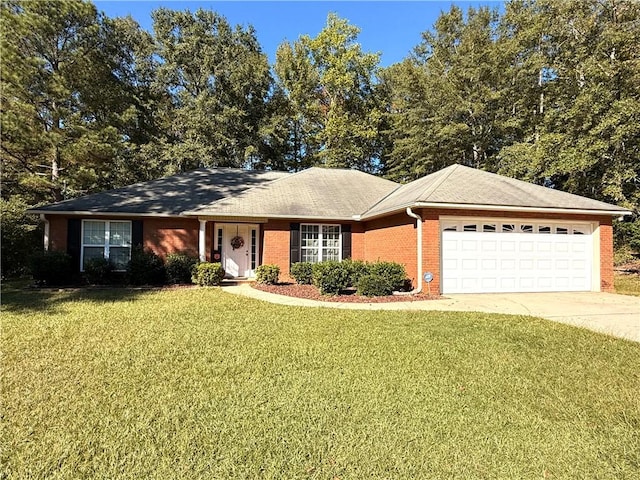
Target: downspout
point(418, 218)
point(43, 218)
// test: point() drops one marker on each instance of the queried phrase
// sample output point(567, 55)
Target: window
point(508, 228)
point(106, 239)
point(253, 248)
point(562, 230)
point(526, 228)
point(319, 243)
point(470, 227)
point(489, 227)
point(544, 229)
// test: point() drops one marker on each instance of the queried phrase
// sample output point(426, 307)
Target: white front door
point(237, 262)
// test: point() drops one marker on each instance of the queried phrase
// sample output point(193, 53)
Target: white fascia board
point(213, 215)
point(497, 208)
point(509, 208)
point(103, 214)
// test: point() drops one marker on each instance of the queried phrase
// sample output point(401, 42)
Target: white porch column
point(202, 240)
point(46, 231)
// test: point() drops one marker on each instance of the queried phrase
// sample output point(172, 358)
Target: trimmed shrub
point(145, 268)
point(52, 268)
point(330, 277)
point(208, 274)
point(356, 269)
point(374, 286)
point(393, 272)
point(302, 272)
point(98, 271)
point(267, 274)
point(180, 267)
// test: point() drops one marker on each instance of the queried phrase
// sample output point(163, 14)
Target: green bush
point(98, 271)
point(20, 236)
point(51, 268)
point(267, 274)
point(393, 272)
point(356, 269)
point(302, 272)
point(180, 267)
point(145, 268)
point(374, 286)
point(330, 277)
point(208, 274)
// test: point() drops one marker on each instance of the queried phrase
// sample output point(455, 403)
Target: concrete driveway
point(617, 315)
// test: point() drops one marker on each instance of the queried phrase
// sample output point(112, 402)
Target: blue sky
point(389, 28)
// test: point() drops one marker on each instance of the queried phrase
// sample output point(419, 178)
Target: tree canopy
point(544, 90)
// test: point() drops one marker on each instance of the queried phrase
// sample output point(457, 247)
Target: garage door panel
point(504, 261)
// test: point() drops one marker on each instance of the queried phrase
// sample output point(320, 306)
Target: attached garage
point(517, 255)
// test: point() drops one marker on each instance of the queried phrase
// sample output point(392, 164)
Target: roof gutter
point(418, 218)
point(102, 214)
point(493, 208)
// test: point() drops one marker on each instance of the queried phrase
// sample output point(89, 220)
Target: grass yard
point(196, 383)
point(627, 284)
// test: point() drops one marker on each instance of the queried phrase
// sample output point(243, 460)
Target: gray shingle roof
point(169, 195)
point(320, 193)
point(312, 193)
point(462, 186)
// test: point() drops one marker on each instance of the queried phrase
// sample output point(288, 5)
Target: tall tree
point(445, 100)
point(217, 79)
point(330, 87)
point(66, 98)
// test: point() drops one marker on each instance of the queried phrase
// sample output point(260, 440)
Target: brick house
point(473, 231)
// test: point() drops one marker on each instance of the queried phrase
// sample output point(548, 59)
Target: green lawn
point(196, 383)
point(627, 284)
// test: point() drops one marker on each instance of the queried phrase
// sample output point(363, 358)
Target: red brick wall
point(275, 245)
point(392, 239)
point(357, 241)
point(57, 233)
point(606, 255)
point(169, 235)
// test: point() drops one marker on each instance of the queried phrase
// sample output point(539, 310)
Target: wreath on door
point(237, 242)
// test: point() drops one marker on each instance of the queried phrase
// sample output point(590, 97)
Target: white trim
point(419, 226)
point(202, 241)
point(47, 231)
point(320, 227)
point(253, 219)
point(107, 232)
point(496, 208)
point(597, 259)
point(106, 215)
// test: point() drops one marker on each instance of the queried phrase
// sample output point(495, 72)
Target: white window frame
point(320, 233)
point(105, 245)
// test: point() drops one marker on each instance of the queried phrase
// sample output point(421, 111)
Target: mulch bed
point(629, 268)
point(310, 292)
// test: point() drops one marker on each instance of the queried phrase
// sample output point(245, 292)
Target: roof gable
point(465, 186)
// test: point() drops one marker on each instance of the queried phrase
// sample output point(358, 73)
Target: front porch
point(236, 245)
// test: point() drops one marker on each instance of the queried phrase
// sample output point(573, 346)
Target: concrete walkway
point(617, 315)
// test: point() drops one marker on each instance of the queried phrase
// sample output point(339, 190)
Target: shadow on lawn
point(24, 300)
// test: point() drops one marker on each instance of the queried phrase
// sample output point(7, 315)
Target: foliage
point(71, 99)
point(356, 269)
point(330, 277)
point(208, 274)
point(326, 86)
point(627, 284)
point(110, 370)
point(145, 268)
point(394, 273)
point(98, 271)
point(51, 268)
point(216, 79)
point(372, 285)
point(180, 267)
point(20, 235)
point(302, 272)
point(627, 233)
point(267, 274)
point(622, 255)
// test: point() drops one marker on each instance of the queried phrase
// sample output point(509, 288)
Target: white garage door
point(481, 256)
